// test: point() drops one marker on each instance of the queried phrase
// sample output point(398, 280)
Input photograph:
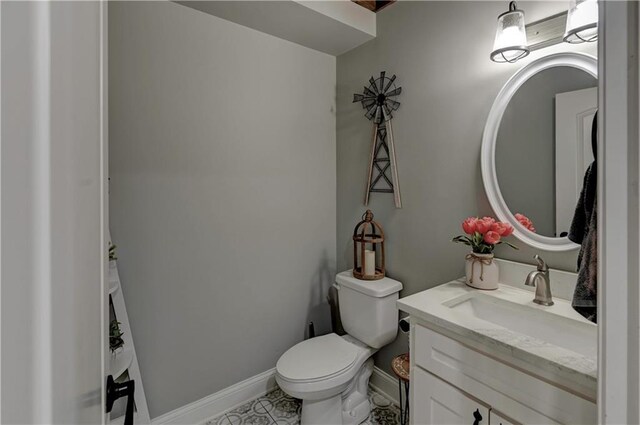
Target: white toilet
point(331, 373)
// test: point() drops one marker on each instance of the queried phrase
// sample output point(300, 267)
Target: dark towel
point(581, 224)
point(584, 231)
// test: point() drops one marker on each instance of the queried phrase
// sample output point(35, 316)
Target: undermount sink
point(554, 342)
point(573, 334)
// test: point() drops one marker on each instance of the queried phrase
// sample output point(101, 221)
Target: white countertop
point(573, 370)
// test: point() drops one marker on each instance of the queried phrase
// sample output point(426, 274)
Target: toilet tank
point(368, 308)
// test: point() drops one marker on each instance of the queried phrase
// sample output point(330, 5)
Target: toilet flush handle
point(335, 285)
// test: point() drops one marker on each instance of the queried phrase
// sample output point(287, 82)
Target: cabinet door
point(496, 419)
point(437, 403)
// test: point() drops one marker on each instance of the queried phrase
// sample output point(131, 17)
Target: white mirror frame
point(581, 61)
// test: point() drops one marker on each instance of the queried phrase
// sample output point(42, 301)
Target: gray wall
point(440, 52)
point(222, 202)
point(526, 148)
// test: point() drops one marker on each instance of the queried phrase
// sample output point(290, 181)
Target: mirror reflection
point(543, 147)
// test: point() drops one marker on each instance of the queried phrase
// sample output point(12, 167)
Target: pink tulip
point(489, 219)
point(484, 225)
point(524, 220)
point(503, 229)
point(508, 231)
point(469, 225)
point(492, 237)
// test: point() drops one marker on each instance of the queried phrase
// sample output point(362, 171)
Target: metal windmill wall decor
point(377, 100)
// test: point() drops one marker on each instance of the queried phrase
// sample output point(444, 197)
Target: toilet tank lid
point(374, 288)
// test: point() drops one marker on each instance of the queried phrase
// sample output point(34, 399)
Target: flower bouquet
point(483, 235)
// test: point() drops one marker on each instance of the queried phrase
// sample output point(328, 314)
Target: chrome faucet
point(540, 279)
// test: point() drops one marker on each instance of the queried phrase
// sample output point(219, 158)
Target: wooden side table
point(400, 366)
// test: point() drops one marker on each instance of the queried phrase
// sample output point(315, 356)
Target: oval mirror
point(536, 147)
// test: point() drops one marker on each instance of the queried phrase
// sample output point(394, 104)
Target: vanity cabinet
point(497, 419)
point(441, 403)
point(453, 383)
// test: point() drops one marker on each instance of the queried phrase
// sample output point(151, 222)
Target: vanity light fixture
point(514, 40)
point(582, 22)
point(510, 43)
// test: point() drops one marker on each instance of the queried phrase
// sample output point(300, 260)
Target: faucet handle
point(542, 266)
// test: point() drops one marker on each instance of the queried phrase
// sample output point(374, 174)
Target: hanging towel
point(584, 231)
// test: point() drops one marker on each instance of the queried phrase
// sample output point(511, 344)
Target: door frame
point(619, 214)
point(53, 212)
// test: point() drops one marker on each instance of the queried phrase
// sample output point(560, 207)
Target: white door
point(52, 213)
point(435, 402)
point(574, 117)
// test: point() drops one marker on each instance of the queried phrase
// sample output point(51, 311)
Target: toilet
point(330, 373)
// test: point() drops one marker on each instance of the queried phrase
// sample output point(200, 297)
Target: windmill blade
point(391, 80)
point(368, 103)
point(378, 114)
point(370, 113)
point(357, 97)
point(370, 93)
point(372, 84)
point(394, 92)
point(382, 80)
point(392, 104)
point(387, 110)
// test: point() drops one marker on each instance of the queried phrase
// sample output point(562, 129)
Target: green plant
point(112, 252)
point(115, 336)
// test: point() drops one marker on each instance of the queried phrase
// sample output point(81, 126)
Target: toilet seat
point(317, 359)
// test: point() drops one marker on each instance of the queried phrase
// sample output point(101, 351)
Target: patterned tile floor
point(279, 408)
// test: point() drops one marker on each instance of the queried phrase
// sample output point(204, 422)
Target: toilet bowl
point(330, 373)
point(322, 372)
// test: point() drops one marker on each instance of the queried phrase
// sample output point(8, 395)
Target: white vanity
point(495, 357)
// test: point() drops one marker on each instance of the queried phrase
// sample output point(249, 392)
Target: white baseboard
point(250, 389)
point(220, 402)
point(385, 384)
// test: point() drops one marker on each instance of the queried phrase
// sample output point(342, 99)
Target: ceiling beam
point(374, 5)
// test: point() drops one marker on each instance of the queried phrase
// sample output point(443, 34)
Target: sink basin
point(574, 334)
point(554, 342)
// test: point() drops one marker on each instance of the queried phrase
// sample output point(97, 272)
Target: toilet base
point(355, 399)
point(322, 412)
point(351, 407)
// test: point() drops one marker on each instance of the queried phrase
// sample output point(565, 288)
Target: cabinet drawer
point(436, 403)
point(517, 394)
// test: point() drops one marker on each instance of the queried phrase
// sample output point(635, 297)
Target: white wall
point(222, 202)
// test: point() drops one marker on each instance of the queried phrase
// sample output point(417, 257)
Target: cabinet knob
point(477, 417)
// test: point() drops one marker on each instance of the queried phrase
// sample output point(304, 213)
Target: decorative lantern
point(368, 249)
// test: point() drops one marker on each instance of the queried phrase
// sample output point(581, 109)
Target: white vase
point(482, 272)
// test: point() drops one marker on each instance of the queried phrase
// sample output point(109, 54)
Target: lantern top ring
point(368, 230)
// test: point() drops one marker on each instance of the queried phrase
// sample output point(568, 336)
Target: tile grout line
point(273, 421)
